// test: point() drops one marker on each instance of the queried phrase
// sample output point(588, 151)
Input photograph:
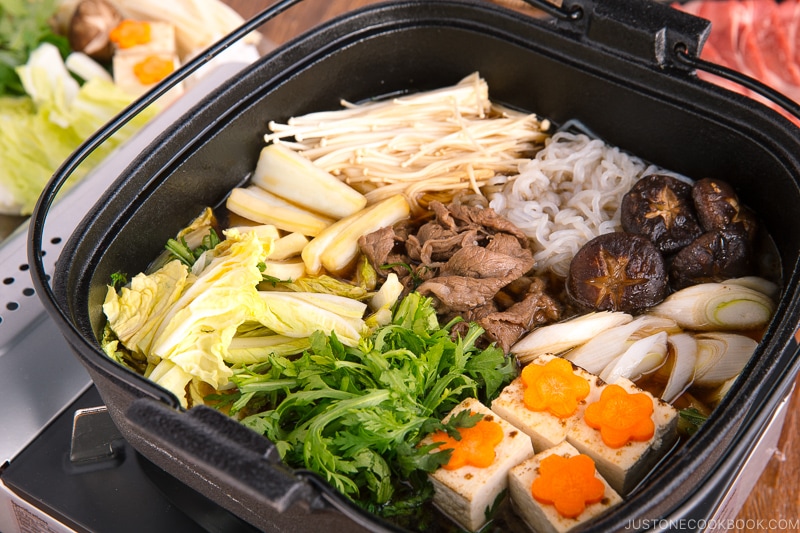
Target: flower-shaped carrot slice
point(569, 483)
point(130, 33)
point(553, 387)
point(476, 447)
point(621, 417)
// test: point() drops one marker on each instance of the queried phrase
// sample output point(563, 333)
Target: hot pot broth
point(559, 191)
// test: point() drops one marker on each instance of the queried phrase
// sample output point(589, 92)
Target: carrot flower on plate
point(553, 387)
point(621, 417)
point(569, 483)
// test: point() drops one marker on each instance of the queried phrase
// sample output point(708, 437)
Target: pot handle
point(691, 60)
point(210, 445)
point(644, 31)
point(655, 33)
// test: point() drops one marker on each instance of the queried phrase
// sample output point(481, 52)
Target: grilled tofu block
point(545, 517)
point(544, 428)
point(126, 65)
point(626, 466)
point(137, 68)
point(162, 39)
point(468, 493)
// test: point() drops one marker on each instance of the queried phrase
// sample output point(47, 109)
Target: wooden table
point(776, 496)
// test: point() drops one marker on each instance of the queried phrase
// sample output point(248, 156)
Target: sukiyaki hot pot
point(611, 72)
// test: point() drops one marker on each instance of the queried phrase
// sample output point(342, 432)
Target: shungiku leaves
point(355, 415)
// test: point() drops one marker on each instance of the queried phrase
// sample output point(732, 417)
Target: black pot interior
point(666, 117)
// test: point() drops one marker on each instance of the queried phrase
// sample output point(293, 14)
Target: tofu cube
point(126, 79)
point(625, 467)
point(466, 494)
point(160, 49)
point(544, 517)
point(162, 39)
point(545, 429)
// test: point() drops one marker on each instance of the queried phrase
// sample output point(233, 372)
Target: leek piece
point(643, 356)
point(86, 68)
point(382, 301)
point(683, 348)
point(598, 352)
point(717, 306)
point(336, 247)
point(284, 270)
point(388, 294)
point(559, 337)
point(260, 206)
point(759, 284)
point(721, 356)
point(288, 246)
point(287, 174)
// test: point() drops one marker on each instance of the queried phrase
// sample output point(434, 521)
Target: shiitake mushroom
point(715, 256)
point(90, 26)
point(717, 206)
point(661, 208)
point(617, 272)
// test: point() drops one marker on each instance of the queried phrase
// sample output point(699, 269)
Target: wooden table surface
point(775, 498)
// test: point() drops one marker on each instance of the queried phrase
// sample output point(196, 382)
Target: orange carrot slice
point(476, 447)
point(569, 483)
point(553, 387)
point(153, 69)
point(130, 33)
point(621, 417)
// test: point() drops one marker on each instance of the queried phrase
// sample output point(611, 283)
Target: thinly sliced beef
point(434, 243)
point(473, 276)
point(759, 38)
point(477, 262)
point(460, 293)
point(464, 256)
point(507, 327)
point(378, 245)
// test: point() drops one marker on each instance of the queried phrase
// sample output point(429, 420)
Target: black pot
point(611, 66)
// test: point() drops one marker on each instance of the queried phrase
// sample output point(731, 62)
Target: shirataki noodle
point(568, 194)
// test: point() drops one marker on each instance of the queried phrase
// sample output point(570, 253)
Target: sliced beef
point(434, 244)
point(464, 256)
point(488, 220)
point(537, 308)
point(461, 293)
point(759, 38)
point(378, 245)
point(477, 262)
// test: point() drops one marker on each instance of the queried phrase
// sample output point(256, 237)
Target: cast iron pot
point(619, 67)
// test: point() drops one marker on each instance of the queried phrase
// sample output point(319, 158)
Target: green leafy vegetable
point(119, 279)
point(187, 255)
point(690, 420)
point(24, 25)
point(356, 414)
point(38, 132)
